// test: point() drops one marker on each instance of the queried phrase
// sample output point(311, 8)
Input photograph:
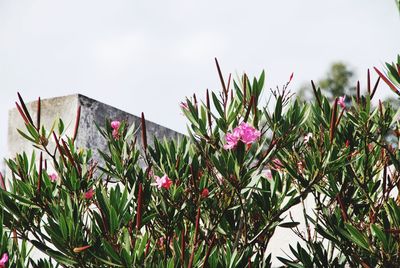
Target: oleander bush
point(356, 220)
point(213, 198)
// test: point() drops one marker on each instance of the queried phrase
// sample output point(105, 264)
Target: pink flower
point(163, 182)
point(277, 163)
point(115, 124)
point(3, 260)
point(53, 177)
point(248, 133)
point(268, 174)
point(232, 139)
point(244, 132)
point(115, 134)
point(341, 101)
point(205, 193)
point(89, 194)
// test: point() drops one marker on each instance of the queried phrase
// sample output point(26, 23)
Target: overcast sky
point(148, 55)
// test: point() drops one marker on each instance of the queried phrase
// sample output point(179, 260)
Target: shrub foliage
point(215, 197)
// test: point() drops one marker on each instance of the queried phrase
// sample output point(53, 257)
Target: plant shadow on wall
point(215, 198)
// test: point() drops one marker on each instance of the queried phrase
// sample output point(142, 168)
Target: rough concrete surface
point(88, 136)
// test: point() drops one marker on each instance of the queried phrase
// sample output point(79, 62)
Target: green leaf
point(357, 237)
point(380, 235)
point(289, 224)
point(60, 127)
point(232, 263)
point(113, 220)
point(22, 201)
point(278, 110)
point(33, 131)
point(217, 104)
point(106, 261)
point(59, 257)
point(111, 251)
point(26, 136)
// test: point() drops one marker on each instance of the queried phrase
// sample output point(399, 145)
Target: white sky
point(147, 55)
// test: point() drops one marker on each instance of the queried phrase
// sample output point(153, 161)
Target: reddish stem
point(209, 252)
point(342, 208)
point(59, 149)
point(147, 247)
point(333, 121)
point(77, 120)
point(70, 158)
point(144, 134)
point(387, 81)
point(22, 113)
point(316, 93)
point(139, 208)
point(221, 78)
point(196, 230)
point(375, 87)
point(24, 108)
point(195, 101)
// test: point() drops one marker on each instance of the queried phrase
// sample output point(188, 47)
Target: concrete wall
point(51, 110)
point(88, 135)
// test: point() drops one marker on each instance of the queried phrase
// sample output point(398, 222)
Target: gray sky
point(147, 55)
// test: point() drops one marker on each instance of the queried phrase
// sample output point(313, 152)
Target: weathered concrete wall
point(51, 110)
point(88, 135)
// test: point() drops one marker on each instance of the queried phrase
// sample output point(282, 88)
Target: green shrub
point(216, 197)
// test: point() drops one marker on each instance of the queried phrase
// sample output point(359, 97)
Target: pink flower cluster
point(205, 192)
point(115, 126)
point(3, 260)
point(244, 132)
point(163, 182)
point(89, 194)
point(53, 177)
